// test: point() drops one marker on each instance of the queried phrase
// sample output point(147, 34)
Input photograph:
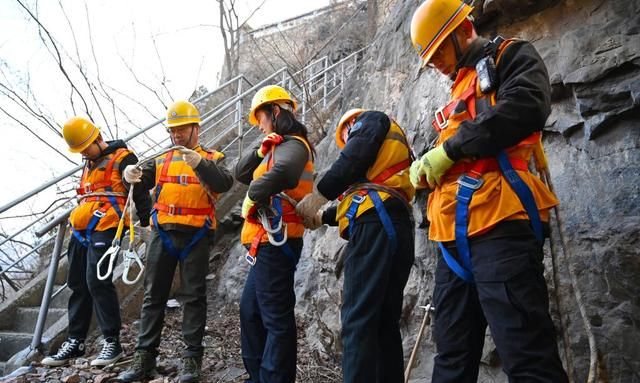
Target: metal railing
point(318, 85)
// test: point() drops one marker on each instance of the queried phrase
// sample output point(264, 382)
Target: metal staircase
point(34, 313)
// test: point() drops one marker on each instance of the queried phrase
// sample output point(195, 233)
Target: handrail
point(317, 84)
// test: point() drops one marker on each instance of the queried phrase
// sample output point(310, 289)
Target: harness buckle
point(183, 179)
point(440, 119)
point(250, 259)
point(99, 213)
point(358, 199)
point(87, 188)
point(172, 210)
point(470, 182)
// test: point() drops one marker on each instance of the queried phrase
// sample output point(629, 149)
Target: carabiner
point(112, 253)
point(129, 257)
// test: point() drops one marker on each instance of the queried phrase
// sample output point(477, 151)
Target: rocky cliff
point(592, 138)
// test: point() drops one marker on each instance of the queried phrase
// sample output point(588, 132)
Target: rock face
point(592, 139)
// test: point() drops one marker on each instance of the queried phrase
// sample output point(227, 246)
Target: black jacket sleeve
point(214, 176)
point(246, 165)
point(290, 159)
point(522, 107)
point(140, 194)
point(329, 216)
point(357, 156)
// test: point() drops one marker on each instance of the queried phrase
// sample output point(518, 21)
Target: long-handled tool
point(112, 252)
point(129, 255)
point(425, 322)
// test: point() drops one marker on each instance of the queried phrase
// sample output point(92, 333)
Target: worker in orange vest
point(102, 195)
point(187, 183)
point(371, 180)
point(279, 173)
point(487, 212)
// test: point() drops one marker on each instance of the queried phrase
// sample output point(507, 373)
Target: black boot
point(190, 371)
point(143, 366)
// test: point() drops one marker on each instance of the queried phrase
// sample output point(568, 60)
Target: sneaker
point(143, 366)
point(111, 353)
point(190, 371)
point(70, 349)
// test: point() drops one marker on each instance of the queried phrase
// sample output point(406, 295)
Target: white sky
point(187, 39)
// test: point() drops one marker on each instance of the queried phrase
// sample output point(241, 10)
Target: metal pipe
point(46, 295)
point(6, 269)
point(58, 220)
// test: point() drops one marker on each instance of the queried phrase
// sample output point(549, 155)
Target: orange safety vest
point(252, 231)
point(180, 197)
point(102, 177)
point(495, 201)
point(391, 169)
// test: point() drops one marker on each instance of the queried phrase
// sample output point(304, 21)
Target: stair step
point(12, 342)
point(26, 318)
point(61, 301)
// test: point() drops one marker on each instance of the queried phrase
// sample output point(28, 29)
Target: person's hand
point(132, 174)
point(248, 207)
point(309, 206)
point(433, 165)
point(418, 181)
point(314, 222)
point(191, 157)
point(271, 140)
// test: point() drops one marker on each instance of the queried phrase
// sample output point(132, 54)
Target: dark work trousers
point(87, 292)
point(160, 268)
point(374, 279)
point(510, 295)
point(267, 320)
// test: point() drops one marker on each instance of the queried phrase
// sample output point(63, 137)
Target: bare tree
point(230, 29)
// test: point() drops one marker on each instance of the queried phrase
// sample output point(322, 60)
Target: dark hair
point(286, 124)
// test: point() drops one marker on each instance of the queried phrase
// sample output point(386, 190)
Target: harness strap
point(274, 221)
point(178, 210)
point(467, 185)
point(485, 165)
point(168, 243)
point(85, 240)
point(182, 179)
point(378, 203)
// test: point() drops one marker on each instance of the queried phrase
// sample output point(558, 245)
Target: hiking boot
point(111, 353)
point(190, 371)
point(70, 349)
point(142, 366)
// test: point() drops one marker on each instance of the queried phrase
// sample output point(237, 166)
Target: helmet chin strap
point(456, 46)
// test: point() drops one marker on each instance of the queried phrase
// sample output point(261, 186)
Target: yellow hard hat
point(266, 95)
point(79, 134)
point(432, 22)
point(181, 113)
point(351, 113)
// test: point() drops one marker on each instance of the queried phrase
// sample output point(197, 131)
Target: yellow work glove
point(271, 140)
point(433, 165)
point(418, 182)
point(248, 206)
point(309, 206)
point(191, 157)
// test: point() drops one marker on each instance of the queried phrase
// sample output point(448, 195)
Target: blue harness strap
point(276, 201)
point(378, 203)
point(466, 187)
point(524, 194)
point(168, 243)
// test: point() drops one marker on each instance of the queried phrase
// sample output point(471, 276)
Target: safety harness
point(273, 223)
point(371, 188)
point(100, 191)
point(209, 212)
point(471, 179)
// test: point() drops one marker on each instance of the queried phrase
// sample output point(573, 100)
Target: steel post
point(48, 288)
